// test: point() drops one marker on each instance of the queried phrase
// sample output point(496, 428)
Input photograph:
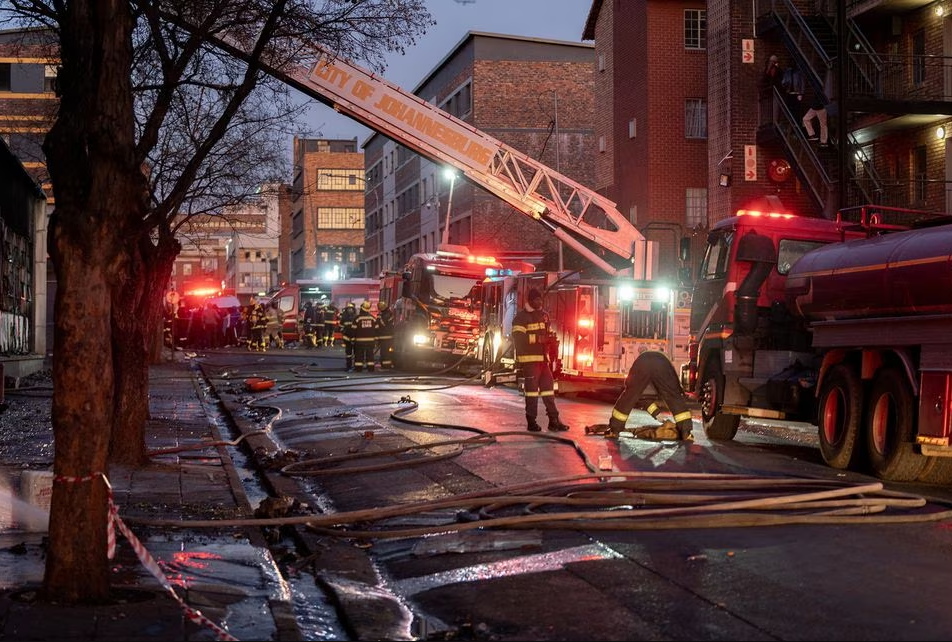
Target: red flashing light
point(586, 323)
point(764, 214)
point(482, 260)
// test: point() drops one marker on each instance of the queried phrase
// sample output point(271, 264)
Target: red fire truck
point(436, 302)
point(842, 323)
point(599, 326)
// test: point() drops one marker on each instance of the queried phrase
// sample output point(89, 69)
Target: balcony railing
point(898, 77)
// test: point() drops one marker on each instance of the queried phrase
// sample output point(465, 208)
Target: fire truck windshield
point(446, 288)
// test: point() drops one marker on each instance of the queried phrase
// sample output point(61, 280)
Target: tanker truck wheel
point(890, 426)
point(716, 425)
point(938, 471)
point(840, 416)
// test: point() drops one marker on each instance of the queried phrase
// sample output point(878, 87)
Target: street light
point(450, 174)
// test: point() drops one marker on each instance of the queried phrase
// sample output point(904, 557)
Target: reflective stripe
point(547, 393)
point(682, 416)
point(535, 326)
point(530, 358)
point(519, 328)
point(620, 416)
point(653, 408)
point(532, 393)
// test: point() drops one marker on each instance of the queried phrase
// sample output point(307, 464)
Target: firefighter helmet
point(365, 306)
point(382, 305)
point(350, 304)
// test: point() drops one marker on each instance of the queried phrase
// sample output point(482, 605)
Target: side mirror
point(684, 249)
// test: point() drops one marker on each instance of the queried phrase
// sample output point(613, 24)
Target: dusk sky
point(554, 19)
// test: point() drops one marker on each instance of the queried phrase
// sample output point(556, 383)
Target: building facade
point(651, 95)
point(324, 236)
point(534, 95)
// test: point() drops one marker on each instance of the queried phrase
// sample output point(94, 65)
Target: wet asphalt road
point(442, 518)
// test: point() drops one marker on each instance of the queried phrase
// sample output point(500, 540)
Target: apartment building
point(27, 108)
point(324, 237)
point(536, 96)
point(881, 68)
point(651, 125)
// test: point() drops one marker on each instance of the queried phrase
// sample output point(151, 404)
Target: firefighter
point(317, 340)
point(654, 368)
point(530, 336)
point(275, 327)
point(259, 325)
point(307, 318)
point(385, 335)
point(330, 322)
point(364, 333)
point(347, 316)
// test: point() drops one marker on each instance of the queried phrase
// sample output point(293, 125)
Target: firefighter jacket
point(385, 325)
point(365, 330)
point(330, 314)
point(530, 333)
point(347, 316)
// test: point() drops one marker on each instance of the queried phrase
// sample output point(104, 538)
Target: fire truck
point(599, 327)
point(841, 323)
point(436, 303)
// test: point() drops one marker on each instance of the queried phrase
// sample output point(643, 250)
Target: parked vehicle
point(842, 323)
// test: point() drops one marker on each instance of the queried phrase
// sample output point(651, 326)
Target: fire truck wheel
point(839, 417)
point(717, 426)
point(938, 471)
point(890, 426)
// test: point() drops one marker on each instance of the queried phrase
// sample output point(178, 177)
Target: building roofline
point(588, 33)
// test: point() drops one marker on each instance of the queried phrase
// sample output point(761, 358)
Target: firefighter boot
point(532, 425)
point(556, 425)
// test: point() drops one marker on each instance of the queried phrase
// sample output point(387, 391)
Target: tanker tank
point(896, 274)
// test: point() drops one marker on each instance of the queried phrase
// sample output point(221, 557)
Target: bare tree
point(124, 164)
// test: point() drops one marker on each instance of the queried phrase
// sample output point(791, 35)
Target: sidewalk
point(227, 577)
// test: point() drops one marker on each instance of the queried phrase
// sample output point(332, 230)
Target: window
point(695, 29)
point(919, 57)
point(601, 143)
point(791, 251)
point(714, 265)
point(340, 179)
point(695, 206)
point(632, 128)
point(340, 218)
point(920, 176)
point(5, 76)
point(49, 79)
point(695, 118)
point(601, 62)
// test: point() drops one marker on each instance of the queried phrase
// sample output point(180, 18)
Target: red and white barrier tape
point(114, 522)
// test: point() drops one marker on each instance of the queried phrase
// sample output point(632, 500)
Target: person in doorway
point(817, 111)
point(530, 337)
point(654, 368)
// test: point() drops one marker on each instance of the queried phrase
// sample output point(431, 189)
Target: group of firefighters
point(363, 334)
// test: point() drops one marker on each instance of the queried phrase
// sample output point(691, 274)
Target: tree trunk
point(76, 566)
point(99, 189)
point(137, 317)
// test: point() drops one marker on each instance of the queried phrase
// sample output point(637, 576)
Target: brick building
point(533, 94)
point(651, 87)
point(326, 231)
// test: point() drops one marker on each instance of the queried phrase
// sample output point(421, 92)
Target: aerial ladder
point(579, 217)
